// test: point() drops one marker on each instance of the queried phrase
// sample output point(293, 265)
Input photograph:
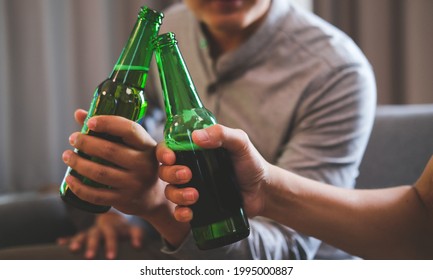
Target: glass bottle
point(122, 94)
point(219, 218)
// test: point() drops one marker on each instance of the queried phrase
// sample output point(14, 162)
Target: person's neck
point(222, 41)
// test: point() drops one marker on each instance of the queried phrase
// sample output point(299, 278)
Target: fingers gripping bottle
point(219, 217)
point(122, 94)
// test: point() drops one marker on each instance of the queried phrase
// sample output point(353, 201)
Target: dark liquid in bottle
point(218, 215)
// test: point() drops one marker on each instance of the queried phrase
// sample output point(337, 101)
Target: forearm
point(386, 223)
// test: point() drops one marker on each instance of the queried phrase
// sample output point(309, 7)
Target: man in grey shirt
point(305, 95)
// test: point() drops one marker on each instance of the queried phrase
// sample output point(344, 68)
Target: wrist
point(279, 193)
point(172, 231)
point(162, 219)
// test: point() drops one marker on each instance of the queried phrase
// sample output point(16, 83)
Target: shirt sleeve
point(332, 128)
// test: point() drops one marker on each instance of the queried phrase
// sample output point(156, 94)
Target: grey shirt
point(305, 95)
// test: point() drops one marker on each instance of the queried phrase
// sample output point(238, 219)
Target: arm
point(381, 223)
point(359, 221)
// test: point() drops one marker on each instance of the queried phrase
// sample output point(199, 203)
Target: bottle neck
point(179, 91)
point(132, 67)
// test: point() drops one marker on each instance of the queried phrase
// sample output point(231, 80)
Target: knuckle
point(135, 184)
point(220, 134)
point(165, 174)
point(98, 200)
point(218, 130)
point(109, 150)
point(138, 159)
point(76, 190)
point(80, 140)
point(168, 192)
point(242, 134)
point(161, 172)
point(72, 160)
point(99, 173)
point(80, 190)
point(134, 129)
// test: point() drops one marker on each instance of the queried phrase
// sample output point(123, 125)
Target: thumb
point(236, 141)
point(80, 115)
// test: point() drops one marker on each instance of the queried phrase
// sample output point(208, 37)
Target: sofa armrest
point(30, 218)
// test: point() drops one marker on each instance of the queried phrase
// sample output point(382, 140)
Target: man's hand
point(250, 167)
point(133, 178)
point(135, 187)
point(109, 229)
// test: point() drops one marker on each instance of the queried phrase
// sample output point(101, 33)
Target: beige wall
point(418, 45)
point(397, 38)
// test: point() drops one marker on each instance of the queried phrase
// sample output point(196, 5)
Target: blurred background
point(53, 53)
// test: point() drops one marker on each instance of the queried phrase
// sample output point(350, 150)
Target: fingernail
point(201, 135)
point(91, 123)
point(188, 195)
point(73, 139)
point(187, 215)
point(166, 157)
point(69, 179)
point(181, 174)
point(66, 157)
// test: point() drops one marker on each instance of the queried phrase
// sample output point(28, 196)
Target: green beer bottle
point(121, 94)
point(219, 218)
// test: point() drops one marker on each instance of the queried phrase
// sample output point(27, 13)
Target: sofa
point(400, 145)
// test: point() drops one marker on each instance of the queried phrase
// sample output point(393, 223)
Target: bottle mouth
point(165, 39)
point(149, 14)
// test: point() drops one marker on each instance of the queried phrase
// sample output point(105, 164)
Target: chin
point(227, 22)
point(229, 15)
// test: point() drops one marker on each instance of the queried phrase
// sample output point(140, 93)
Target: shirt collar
point(254, 49)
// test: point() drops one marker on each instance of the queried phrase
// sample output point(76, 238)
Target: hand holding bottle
point(135, 186)
point(251, 168)
point(134, 174)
